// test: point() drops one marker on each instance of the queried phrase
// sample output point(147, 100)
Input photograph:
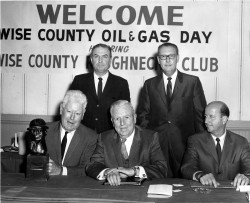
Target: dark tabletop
point(16, 188)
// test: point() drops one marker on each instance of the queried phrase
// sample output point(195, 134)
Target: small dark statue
point(37, 158)
point(37, 132)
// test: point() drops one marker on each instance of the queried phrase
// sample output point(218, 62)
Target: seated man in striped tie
point(127, 150)
point(217, 154)
point(69, 143)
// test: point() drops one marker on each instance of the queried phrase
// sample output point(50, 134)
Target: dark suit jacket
point(145, 151)
point(183, 118)
point(97, 114)
point(80, 149)
point(201, 155)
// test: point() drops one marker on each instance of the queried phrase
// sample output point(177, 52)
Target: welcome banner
point(57, 36)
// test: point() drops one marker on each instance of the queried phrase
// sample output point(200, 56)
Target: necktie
point(64, 142)
point(169, 90)
point(99, 89)
point(123, 149)
point(218, 148)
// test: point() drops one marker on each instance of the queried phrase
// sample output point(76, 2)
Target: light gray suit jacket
point(80, 149)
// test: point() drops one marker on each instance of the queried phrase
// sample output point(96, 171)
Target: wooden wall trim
point(22, 119)
point(11, 123)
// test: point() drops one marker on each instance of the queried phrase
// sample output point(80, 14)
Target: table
point(15, 188)
point(12, 162)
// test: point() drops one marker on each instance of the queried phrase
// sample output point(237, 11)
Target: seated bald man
point(217, 154)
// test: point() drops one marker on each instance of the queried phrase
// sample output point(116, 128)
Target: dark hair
point(224, 110)
point(169, 45)
point(103, 46)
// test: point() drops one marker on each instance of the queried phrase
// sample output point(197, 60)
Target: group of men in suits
point(171, 109)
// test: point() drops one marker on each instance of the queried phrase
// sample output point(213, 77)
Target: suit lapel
point(108, 86)
point(73, 144)
point(161, 89)
point(116, 146)
point(178, 85)
point(211, 147)
point(57, 139)
point(226, 148)
point(92, 86)
point(134, 151)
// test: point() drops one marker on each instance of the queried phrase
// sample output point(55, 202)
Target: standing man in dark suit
point(217, 154)
point(127, 151)
point(69, 143)
point(102, 88)
point(172, 104)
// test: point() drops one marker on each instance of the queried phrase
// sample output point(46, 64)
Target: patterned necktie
point(99, 89)
point(64, 142)
point(123, 148)
point(218, 148)
point(169, 90)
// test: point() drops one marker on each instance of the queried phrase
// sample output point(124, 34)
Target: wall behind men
point(45, 44)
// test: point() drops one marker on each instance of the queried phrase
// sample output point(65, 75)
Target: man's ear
point(61, 108)
point(158, 60)
point(135, 116)
point(224, 119)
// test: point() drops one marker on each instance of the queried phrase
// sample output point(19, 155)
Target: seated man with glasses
point(172, 104)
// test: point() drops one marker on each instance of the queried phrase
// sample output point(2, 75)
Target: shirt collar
point(62, 132)
point(104, 77)
point(165, 79)
point(222, 139)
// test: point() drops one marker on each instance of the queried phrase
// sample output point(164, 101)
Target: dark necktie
point(123, 149)
point(218, 148)
point(169, 90)
point(99, 89)
point(64, 142)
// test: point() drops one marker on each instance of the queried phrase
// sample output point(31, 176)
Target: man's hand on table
point(53, 168)
point(208, 179)
point(114, 175)
point(240, 179)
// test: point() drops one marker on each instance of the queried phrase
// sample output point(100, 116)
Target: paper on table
point(160, 191)
point(244, 188)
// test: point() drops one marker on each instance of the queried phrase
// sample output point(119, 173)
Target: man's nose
point(100, 59)
point(72, 116)
point(122, 122)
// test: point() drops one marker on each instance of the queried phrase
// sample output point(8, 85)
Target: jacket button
point(169, 121)
point(96, 119)
point(97, 105)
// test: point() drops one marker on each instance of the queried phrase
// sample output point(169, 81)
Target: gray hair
point(120, 103)
point(75, 96)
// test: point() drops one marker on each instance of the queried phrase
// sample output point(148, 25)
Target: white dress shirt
point(69, 138)
point(165, 79)
point(104, 80)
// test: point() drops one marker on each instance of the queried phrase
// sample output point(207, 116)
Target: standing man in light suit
point(127, 150)
point(69, 143)
point(172, 104)
point(217, 154)
point(101, 88)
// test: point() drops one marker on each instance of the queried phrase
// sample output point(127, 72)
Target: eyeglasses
point(164, 57)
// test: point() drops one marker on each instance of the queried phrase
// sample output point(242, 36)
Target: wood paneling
point(11, 123)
